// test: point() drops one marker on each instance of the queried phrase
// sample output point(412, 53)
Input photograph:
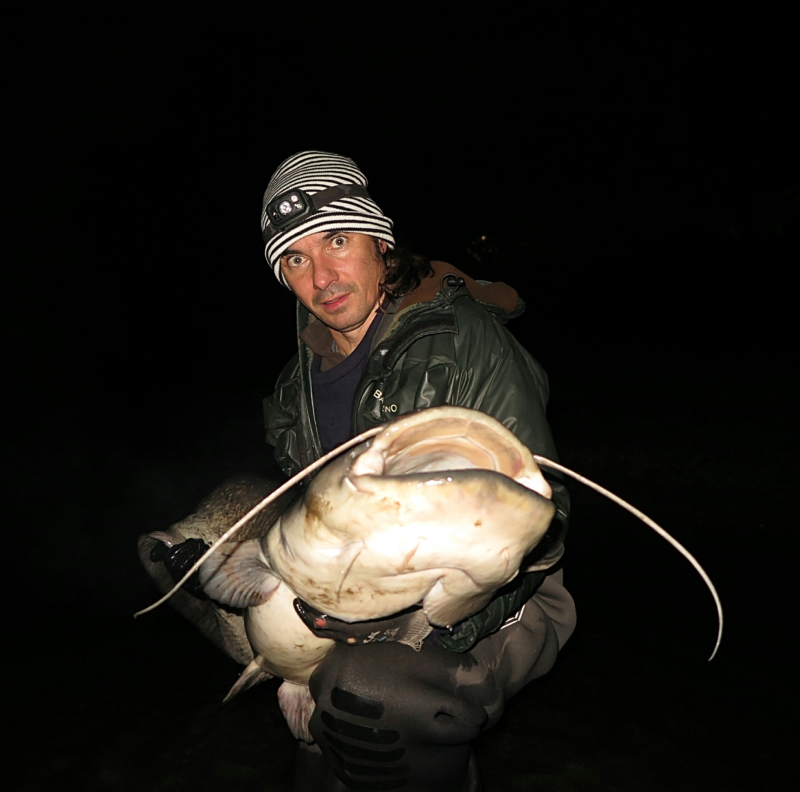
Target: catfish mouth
point(448, 439)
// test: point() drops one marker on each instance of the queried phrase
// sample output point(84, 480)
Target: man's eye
point(293, 261)
point(339, 241)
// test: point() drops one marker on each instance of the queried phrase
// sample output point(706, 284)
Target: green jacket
point(446, 344)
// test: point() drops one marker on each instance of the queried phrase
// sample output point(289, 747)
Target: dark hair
point(404, 271)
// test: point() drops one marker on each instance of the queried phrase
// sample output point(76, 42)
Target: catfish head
point(440, 508)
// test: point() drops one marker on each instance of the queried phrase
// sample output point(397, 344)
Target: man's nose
point(324, 272)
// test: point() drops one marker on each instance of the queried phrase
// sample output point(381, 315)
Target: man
point(381, 333)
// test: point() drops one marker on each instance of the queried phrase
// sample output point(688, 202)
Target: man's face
point(337, 276)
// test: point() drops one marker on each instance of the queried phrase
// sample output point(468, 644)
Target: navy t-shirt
point(334, 391)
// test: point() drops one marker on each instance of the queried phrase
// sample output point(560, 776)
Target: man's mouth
point(334, 302)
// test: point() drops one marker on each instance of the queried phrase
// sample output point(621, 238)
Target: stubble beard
point(337, 290)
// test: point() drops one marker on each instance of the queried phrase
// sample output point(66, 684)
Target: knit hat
point(316, 191)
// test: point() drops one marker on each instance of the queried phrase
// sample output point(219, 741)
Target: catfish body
point(437, 511)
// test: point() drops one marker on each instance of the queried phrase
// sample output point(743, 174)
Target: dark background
point(633, 174)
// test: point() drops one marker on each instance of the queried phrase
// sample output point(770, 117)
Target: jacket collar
point(317, 337)
point(498, 295)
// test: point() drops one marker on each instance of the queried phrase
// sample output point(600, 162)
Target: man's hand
point(409, 627)
point(178, 559)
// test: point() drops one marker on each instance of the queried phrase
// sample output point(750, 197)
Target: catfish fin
point(444, 608)
point(297, 707)
point(252, 675)
point(238, 575)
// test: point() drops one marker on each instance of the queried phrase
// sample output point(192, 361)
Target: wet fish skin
point(404, 518)
point(440, 508)
point(369, 546)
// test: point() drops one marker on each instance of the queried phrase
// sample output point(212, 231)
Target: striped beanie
point(316, 191)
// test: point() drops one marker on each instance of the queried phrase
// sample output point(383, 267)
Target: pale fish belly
point(276, 633)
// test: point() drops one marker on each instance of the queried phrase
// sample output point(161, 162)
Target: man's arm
point(499, 377)
point(282, 419)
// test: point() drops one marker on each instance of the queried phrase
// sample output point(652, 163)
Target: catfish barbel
point(438, 510)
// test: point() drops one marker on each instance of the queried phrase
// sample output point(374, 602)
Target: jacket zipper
point(367, 379)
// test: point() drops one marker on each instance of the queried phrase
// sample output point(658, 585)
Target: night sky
point(635, 177)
